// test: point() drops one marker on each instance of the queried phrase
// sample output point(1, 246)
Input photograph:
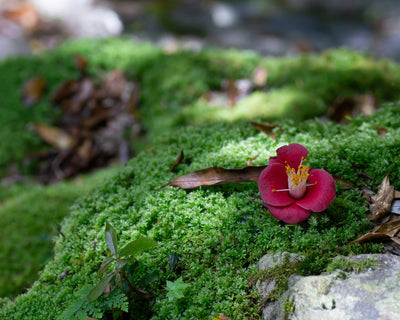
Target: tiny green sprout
point(121, 258)
point(175, 289)
point(288, 307)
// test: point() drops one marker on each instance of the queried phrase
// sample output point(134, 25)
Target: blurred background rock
point(271, 27)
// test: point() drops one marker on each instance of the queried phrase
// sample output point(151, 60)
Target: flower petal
point(289, 214)
point(320, 195)
point(274, 177)
point(291, 155)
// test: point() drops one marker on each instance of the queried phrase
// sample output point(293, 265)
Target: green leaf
point(175, 289)
point(137, 246)
point(104, 266)
point(99, 288)
point(111, 239)
point(121, 263)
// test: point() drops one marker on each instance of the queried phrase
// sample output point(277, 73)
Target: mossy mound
point(30, 215)
point(172, 85)
point(217, 234)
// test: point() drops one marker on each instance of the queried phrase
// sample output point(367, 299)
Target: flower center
point(297, 180)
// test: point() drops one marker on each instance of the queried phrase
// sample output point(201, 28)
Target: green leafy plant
point(121, 258)
point(175, 289)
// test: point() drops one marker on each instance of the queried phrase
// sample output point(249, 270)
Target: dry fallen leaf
point(177, 161)
point(352, 106)
point(382, 131)
point(216, 175)
point(385, 231)
point(267, 128)
point(55, 136)
point(33, 90)
point(260, 76)
point(383, 200)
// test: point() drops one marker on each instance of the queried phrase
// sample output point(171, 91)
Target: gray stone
point(372, 294)
point(269, 261)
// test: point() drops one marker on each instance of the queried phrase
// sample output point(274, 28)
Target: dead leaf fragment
point(216, 175)
point(267, 128)
point(260, 76)
point(382, 131)
point(383, 200)
point(33, 90)
point(385, 231)
point(251, 160)
point(55, 136)
point(345, 107)
point(395, 207)
point(177, 161)
point(343, 183)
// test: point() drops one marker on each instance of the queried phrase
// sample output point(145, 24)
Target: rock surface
point(372, 294)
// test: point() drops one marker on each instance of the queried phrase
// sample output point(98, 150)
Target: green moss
point(288, 307)
point(349, 265)
point(217, 233)
point(172, 86)
point(29, 218)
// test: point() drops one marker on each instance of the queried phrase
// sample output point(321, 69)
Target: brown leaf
point(33, 90)
point(55, 136)
point(383, 200)
point(81, 64)
point(267, 128)
point(371, 236)
point(65, 91)
point(382, 131)
point(390, 228)
point(352, 106)
point(260, 76)
point(114, 84)
point(177, 161)
point(24, 14)
point(385, 231)
point(216, 175)
point(397, 194)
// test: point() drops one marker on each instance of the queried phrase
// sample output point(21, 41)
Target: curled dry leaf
point(216, 175)
point(55, 136)
point(385, 231)
point(177, 161)
point(33, 90)
point(383, 200)
point(267, 128)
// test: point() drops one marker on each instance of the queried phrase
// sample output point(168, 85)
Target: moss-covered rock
point(217, 233)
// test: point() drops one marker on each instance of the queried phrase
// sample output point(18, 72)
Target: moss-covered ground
point(212, 237)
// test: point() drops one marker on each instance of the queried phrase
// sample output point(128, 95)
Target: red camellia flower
point(291, 189)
